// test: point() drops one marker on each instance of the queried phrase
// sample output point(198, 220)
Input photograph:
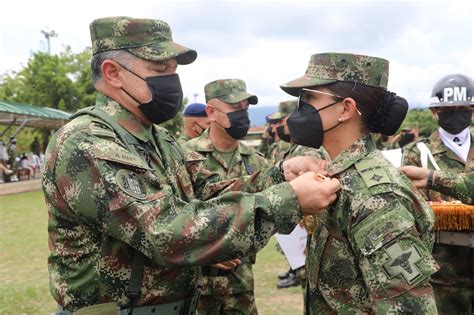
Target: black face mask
point(239, 123)
point(271, 134)
point(306, 127)
point(455, 121)
point(406, 139)
point(166, 100)
point(282, 135)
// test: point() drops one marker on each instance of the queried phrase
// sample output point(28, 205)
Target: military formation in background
point(141, 223)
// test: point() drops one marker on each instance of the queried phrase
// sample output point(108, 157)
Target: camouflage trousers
point(453, 284)
point(239, 303)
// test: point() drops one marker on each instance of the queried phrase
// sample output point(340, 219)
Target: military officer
point(195, 122)
point(228, 292)
point(125, 229)
point(451, 149)
point(370, 252)
point(282, 137)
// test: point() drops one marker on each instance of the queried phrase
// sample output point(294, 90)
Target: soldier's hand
point(313, 193)
point(418, 175)
point(228, 265)
point(296, 166)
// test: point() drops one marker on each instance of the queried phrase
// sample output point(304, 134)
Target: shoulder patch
point(100, 130)
point(111, 151)
point(372, 172)
point(131, 184)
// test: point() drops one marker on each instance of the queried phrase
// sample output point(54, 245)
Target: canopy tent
point(31, 116)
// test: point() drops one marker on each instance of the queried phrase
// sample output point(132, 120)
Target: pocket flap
point(381, 227)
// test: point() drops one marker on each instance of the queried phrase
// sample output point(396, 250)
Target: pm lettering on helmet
point(455, 94)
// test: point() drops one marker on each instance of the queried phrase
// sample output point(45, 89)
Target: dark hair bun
point(388, 114)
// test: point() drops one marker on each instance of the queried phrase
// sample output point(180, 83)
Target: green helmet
point(284, 109)
point(453, 90)
point(333, 67)
point(145, 38)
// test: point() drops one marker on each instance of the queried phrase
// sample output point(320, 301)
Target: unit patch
point(131, 183)
point(402, 262)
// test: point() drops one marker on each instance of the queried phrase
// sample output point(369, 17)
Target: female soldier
point(371, 250)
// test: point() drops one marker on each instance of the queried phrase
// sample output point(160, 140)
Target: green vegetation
point(24, 274)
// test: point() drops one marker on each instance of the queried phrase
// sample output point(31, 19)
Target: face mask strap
point(202, 128)
point(132, 72)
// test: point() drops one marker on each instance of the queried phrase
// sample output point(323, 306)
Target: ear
point(210, 111)
point(112, 73)
point(349, 109)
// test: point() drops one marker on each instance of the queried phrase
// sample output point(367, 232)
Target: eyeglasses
point(330, 94)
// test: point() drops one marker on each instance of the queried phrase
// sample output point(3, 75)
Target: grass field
point(24, 274)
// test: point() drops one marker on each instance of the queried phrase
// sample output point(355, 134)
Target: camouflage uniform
point(265, 145)
point(183, 139)
point(370, 252)
point(459, 186)
point(115, 188)
point(279, 148)
point(12, 153)
point(453, 284)
point(228, 293)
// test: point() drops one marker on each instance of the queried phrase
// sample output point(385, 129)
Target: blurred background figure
point(35, 147)
point(195, 122)
point(450, 149)
point(12, 163)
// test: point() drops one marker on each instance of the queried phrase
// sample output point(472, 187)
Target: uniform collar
point(204, 144)
point(437, 147)
point(125, 118)
point(352, 154)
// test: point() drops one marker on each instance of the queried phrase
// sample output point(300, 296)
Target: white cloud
point(268, 43)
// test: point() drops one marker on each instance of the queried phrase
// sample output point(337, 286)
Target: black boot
point(284, 275)
point(292, 280)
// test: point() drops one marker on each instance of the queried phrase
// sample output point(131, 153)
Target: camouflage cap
point(229, 90)
point(332, 67)
point(284, 109)
point(145, 38)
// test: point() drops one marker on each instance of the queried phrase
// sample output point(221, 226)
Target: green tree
point(421, 118)
point(57, 81)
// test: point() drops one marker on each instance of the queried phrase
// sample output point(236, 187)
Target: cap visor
point(276, 116)
point(165, 50)
point(294, 87)
point(238, 97)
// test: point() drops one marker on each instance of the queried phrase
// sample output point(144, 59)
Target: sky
point(267, 43)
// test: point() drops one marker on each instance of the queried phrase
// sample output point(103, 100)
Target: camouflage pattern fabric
point(242, 304)
point(183, 139)
point(284, 109)
point(225, 290)
point(145, 38)
point(12, 154)
point(332, 67)
point(264, 147)
point(453, 285)
point(458, 186)
point(446, 159)
point(105, 202)
point(278, 151)
point(230, 91)
point(300, 150)
point(371, 250)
